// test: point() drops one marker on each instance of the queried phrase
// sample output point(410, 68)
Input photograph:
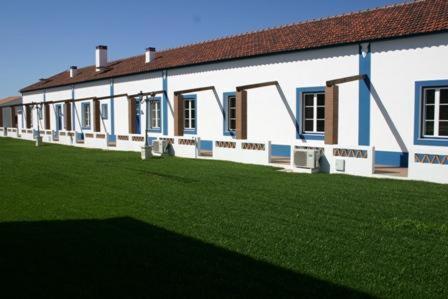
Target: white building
point(8, 114)
point(369, 90)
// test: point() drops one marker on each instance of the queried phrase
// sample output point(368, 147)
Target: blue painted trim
point(138, 116)
point(280, 150)
point(206, 145)
point(192, 97)
point(395, 159)
point(102, 111)
point(299, 119)
point(364, 97)
point(151, 139)
point(112, 137)
point(83, 106)
point(73, 109)
point(165, 102)
point(79, 136)
point(418, 139)
point(58, 117)
point(225, 128)
point(155, 130)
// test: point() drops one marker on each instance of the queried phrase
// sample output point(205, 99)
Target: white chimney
point(101, 57)
point(150, 54)
point(73, 71)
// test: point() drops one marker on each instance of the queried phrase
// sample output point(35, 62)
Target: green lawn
point(88, 223)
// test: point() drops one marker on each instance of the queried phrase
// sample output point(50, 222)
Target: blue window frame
point(58, 112)
point(229, 114)
point(138, 127)
point(40, 113)
point(155, 121)
point(104, 111)
point(431, 113)
point(86, 116)
point(314, 121)
point(190, 114)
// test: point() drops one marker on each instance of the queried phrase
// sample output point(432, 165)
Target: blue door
point(137, 118)
point(58, 117)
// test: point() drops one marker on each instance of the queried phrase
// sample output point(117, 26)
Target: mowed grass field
point(89, 223)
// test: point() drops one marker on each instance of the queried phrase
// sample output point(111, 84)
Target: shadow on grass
point(124, 257)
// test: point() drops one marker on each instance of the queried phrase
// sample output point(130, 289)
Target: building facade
point(8, 113)
point(374, 98)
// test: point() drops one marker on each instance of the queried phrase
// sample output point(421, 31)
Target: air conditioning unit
point(306, 158)
point(159, 147)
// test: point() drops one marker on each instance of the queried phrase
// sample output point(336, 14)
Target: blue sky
point(41, 38)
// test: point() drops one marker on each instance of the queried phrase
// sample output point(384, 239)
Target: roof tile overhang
point(10, 100)
point(402, 20)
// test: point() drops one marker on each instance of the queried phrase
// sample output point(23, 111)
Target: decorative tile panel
point(253, 146)
point(431, 159)
point(186, 141)
point(89, 135)
point(123, 137)
point(100, 136)
point(225, 144)
point(350, 153)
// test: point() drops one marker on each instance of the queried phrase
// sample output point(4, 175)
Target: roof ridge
point(399, 20)
point(406, 2)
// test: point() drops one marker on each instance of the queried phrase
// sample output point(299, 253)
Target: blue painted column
point(73, 110)
point(364, 94)
point(112, 137)
point(165, 102)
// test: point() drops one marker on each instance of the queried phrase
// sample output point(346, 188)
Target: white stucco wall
point(269, 118)
point(395, 67)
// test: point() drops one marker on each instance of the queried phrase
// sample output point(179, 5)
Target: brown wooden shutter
point(131, 115)
point(331, 114)
point(96, 116)
point(241, 114)
point(47, 116)
point(178, 115)
point(28, 116)
point(13, 117)
point(68, 116)
point(1, 116)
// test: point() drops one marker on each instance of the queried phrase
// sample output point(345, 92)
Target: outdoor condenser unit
point(306, 158)
point(159, 146)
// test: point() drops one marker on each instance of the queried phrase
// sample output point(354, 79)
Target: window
point(229, 119)
point(58, 117)
point(313, 112)
point(231, 113)
point(39, 113)
point(435, 112)
point(154, 113)
point(85, 115)
point(190, 115)
point(104, 111)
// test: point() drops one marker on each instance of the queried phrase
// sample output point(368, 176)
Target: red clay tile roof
point(418, 17)
point(8, 100)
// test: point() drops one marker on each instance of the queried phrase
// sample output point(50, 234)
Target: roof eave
point(24, 90)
